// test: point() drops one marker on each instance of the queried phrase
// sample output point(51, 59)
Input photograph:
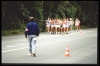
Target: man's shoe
point(34, 55)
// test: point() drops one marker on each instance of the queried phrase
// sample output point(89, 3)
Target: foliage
point(15, 14)
point(15, 31)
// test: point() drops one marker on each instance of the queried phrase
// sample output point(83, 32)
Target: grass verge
point(21, 31)
point(9, 32)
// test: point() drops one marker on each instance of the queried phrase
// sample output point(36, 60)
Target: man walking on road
point(32, 33)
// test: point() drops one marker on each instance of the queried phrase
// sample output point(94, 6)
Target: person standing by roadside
point(77, 22)
point(48, 25)
point(67, 25)
point(32, 33)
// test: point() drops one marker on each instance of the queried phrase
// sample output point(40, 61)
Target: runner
point(67, 26)
point(77, 24)
point(57, 26)
point(64, 26)
point(61, 23)
point(52, 25)
point(48, 25)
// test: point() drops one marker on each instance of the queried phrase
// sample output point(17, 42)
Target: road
point(50, 49)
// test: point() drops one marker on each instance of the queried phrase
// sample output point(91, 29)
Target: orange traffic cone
point(67, 52)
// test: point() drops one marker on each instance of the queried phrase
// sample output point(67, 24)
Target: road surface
point(50, 49)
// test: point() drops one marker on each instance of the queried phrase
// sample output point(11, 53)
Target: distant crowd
point(61, 26)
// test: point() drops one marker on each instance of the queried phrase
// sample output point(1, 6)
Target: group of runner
point(61, 26)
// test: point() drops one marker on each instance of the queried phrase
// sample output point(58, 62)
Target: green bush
point(74, 28)
point(9, 32)
point(83, 27)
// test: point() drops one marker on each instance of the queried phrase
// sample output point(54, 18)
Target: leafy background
point(15, 14)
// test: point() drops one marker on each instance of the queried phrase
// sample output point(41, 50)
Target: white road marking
point(74, 53)
point(14, 45)
point(38, 38)
point(14, 49)
point(49, 43)
point(12, 41)
point(9, 46)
